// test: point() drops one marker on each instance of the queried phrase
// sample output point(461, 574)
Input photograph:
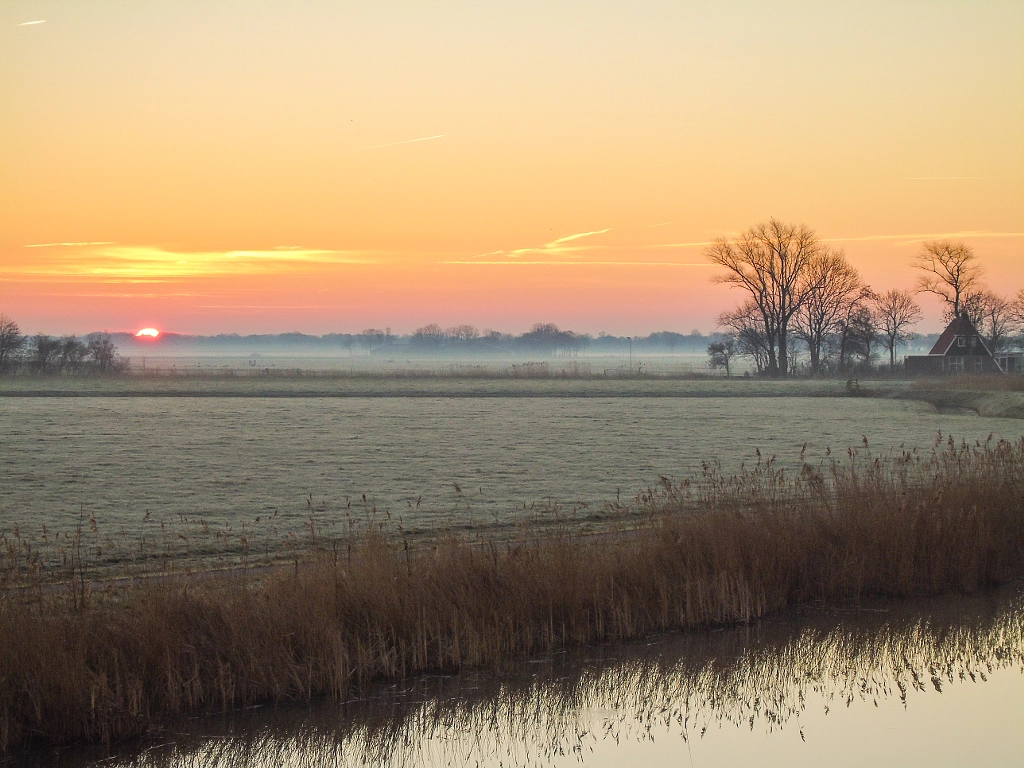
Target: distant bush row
point(48, 355)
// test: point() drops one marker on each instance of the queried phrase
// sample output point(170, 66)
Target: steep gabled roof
point(961, 326)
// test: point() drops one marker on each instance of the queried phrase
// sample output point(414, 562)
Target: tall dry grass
point(712, 550)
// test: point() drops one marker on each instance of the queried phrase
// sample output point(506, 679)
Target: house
point(960, 349)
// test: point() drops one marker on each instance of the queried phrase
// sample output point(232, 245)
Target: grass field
point(327, 384)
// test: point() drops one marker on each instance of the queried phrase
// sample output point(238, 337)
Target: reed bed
point(103, 666)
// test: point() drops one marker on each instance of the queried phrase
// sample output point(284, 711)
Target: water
point(929, 682)
point(432, 463)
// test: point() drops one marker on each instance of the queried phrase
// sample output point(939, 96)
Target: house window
point(979, 365)
point(956, 364)
point(961, 341)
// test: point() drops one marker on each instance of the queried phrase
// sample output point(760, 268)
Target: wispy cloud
point(574, 263)
point(701, 244)
point(30, 23)
point(559, 246)
point(107, 262)
point(261, 307)
point(570, 238)
point(396, 143)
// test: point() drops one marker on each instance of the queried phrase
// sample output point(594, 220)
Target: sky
point(257, 167)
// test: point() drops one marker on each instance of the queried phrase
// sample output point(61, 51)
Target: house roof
point(961, 326)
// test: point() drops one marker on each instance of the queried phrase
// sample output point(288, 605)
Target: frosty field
point(264, 467)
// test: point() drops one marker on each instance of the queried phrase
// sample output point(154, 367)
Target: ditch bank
point(1009, 405)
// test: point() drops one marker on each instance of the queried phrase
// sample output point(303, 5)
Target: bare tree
point(103, 354)
point(369, 337)
point(429, 336)
point(11, 344)
point(463, 333)
point(895, 312)
point(771, 261)
point(73, 354)
point(721, 353)
point(44, 354)
point(548, 337)
point(857, 332)
point(992, 315)
point(745, 324)
point(950, 273)
point(1017, 314)
point(836, 289)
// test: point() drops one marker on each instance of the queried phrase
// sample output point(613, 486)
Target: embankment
point(984, 403)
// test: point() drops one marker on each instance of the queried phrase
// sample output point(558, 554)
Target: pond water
point(935, 682)
point(432, 463)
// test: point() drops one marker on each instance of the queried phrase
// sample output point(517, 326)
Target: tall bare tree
point(1017, 313)
point(950, 272)
point(857, 332)
point(836, 288)
point(12, 342)
point(771, 261)
point(895, 313)
point(992, 315)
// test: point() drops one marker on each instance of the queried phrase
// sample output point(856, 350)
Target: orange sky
point(245, 166)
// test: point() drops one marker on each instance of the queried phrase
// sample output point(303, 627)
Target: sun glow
point(147, 333)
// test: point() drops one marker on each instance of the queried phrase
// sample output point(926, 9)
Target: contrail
point(396, 143)
point(575, 237)
point(924, 236)
point(69, 245)
point(954, 178)
point(30, 23)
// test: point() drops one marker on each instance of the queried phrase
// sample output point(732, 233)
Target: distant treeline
point(102, 352)
point(62, 355)
point(433, 340)
point(542, 339)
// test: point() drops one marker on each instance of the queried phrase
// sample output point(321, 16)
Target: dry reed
point(712, 550)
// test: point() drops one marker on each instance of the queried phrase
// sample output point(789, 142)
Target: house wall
point(939, 365)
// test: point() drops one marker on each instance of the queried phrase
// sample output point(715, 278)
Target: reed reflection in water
point(779, 678)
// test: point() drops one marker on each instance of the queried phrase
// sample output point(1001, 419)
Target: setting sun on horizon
point(263, 167)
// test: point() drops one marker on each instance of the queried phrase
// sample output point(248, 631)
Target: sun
point(147, 333)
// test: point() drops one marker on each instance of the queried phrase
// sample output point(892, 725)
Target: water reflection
point(764, 678)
